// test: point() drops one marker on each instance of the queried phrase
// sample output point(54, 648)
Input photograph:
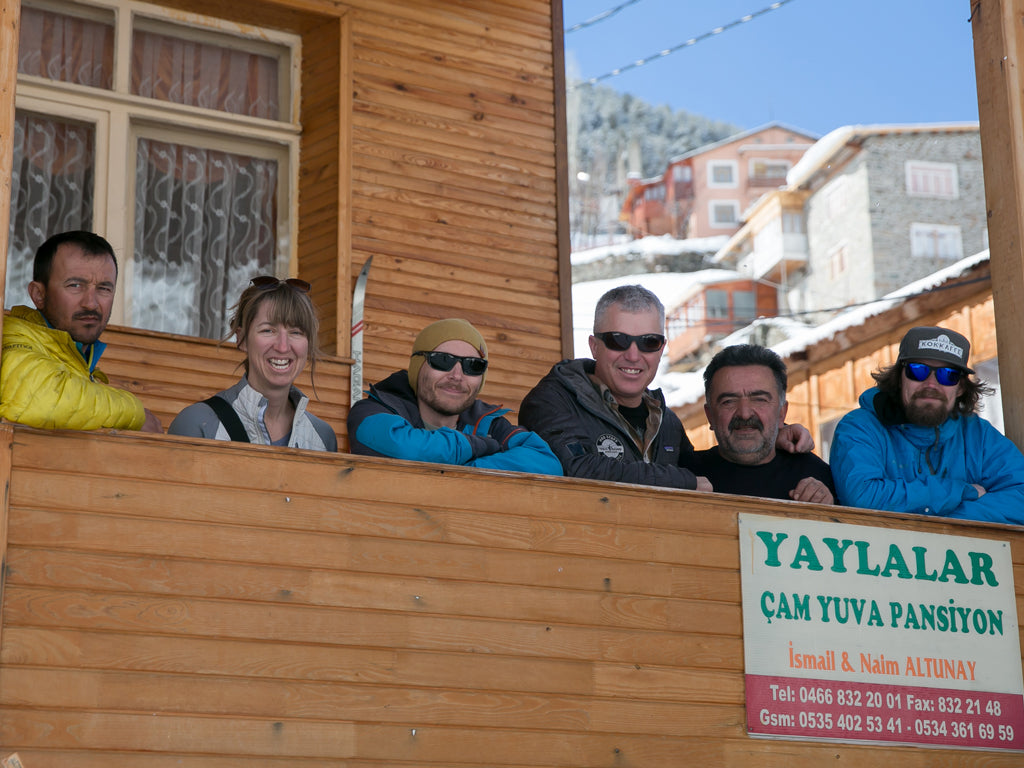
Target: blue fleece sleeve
point(998, 467)
point(387, 434)
point(523, 451)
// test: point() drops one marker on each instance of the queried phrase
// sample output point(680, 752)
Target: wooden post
point(10, 18)
point(998, 52)
point(562, 180)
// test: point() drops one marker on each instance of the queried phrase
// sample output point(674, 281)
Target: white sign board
point(858, 633)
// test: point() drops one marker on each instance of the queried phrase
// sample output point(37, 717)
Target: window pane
point(201, 74)
point(205, 224)
point(51, 190)
point(718, 303)
point(744, 305)
point(66, 48)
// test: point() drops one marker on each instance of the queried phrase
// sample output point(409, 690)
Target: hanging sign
point(867, 634)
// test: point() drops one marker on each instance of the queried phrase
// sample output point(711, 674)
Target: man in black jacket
point(600, 418)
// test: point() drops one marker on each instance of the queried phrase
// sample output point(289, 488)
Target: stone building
point(877, 207)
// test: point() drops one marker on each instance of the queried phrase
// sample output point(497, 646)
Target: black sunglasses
point(619, 342)
point(443, 361)
point(269, 282)
point(945, 375)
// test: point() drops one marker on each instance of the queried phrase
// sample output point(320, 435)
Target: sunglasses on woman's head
point(619, 342)
point(945, 375)
point(443, 361)
point(269, 282)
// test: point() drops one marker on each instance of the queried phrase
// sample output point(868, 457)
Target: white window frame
point(838, 260)
point(768, 161)
point(120, 116)
point(714, 223)
point(948, 239)
point(924, 178)
point(734, 170)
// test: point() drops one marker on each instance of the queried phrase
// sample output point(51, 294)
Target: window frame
point(714, 223)
point(119, 115)
point(926, 168)
point(920, 229)
point(734, 170)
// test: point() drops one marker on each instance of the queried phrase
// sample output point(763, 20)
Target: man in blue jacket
point(431, 412)
point(916, 444)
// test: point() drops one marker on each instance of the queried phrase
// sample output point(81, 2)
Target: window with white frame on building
point(724, 213)
point(181, 149)
point(937, 241)
point(927, 179)
point(838, 258)
point(722, 174)
point(769, 170)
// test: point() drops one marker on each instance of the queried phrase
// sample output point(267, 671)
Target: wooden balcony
point(170, 601)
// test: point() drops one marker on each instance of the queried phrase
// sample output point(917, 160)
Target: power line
point(604, 15)
point(692, 41)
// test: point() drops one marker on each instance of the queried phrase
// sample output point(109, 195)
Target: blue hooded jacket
point(880, 461)
point(388, 423)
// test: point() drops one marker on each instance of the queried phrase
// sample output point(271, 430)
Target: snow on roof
point(665, 245)
point(739, 137)
point(687, 388)
point(828, 145)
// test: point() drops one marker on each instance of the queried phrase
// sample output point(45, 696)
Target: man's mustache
point(753, 422)
point(87, 315)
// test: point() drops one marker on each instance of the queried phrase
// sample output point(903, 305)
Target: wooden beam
point(998, 51)
point(10, 24)
point(562, 180)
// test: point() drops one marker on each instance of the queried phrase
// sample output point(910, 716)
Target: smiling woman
point(274, 324)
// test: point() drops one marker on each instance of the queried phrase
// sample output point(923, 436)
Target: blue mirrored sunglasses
point(946, 376)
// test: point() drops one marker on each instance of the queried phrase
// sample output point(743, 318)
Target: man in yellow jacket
point(48, 373)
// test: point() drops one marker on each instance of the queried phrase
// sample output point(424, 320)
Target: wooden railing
point(169, 601)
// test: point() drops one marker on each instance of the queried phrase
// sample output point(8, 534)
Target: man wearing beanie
point(917, 444)
point(431, 412)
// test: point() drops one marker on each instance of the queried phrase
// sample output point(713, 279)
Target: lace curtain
point(51, 191)
point(205, 225)
point(205, 220)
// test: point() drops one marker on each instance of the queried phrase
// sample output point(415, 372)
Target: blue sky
point(811, 64)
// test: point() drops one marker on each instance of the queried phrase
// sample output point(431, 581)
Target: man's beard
point(926, 415)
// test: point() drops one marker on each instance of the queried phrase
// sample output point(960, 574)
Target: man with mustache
point(430, 412)
point(917, 444)
point(48, 373)
point(745, 402)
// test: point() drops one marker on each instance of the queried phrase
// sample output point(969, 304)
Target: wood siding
point(169, 601)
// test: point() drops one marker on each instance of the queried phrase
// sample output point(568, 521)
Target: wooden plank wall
point(176, 602)
point(454, 183)
point(169, 372)
point(826, 379)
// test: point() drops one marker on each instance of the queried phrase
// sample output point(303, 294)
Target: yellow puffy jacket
point(45, 381)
